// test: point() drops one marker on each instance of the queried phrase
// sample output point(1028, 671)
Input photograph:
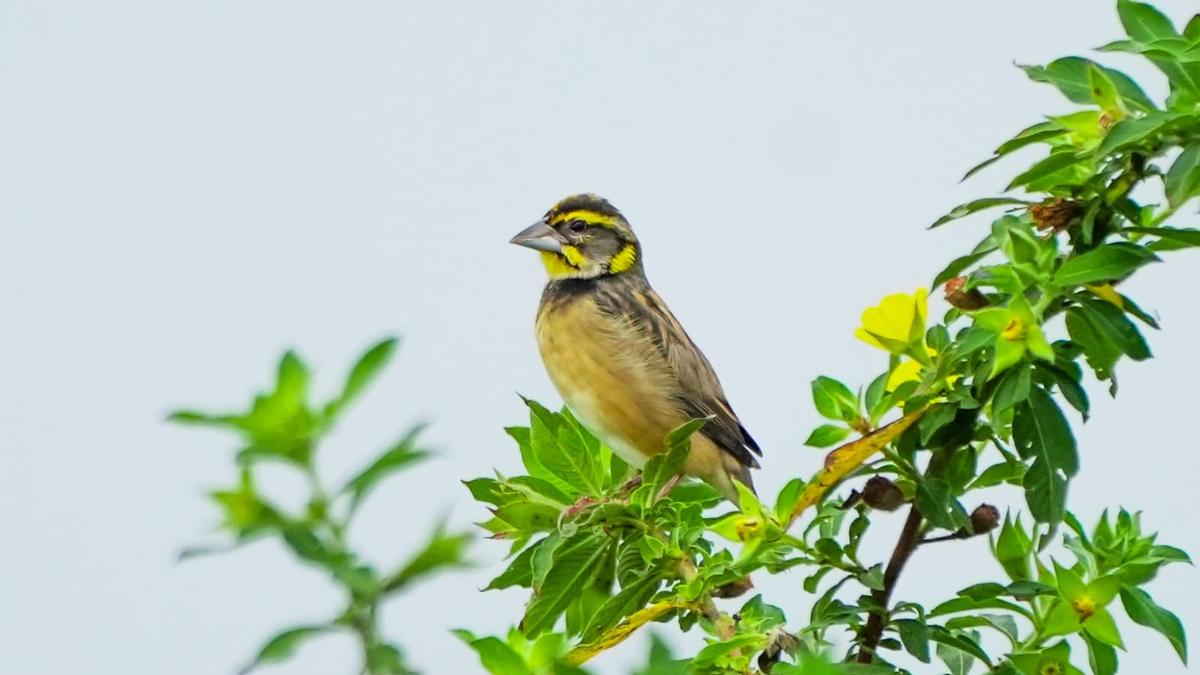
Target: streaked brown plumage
point(616, 354)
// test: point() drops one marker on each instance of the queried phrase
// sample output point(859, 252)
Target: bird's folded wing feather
point(698, 393)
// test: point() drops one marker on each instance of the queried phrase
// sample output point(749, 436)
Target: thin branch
point(909, 540)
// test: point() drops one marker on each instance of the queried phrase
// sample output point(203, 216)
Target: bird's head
point(583, 237)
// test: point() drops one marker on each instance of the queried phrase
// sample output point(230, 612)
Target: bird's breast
point(609, 374)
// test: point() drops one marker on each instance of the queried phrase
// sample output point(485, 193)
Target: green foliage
point(281, 425)
point(1034, 307)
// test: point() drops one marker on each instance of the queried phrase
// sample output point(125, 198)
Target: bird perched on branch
point(617, 355)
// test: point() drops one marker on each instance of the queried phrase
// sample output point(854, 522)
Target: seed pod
point(779, 642)
point(734, 588)
point(964, 298)
point(984, 518)
point(1055, 214)
point(881, 493)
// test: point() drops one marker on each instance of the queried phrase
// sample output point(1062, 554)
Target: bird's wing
point(698, 392)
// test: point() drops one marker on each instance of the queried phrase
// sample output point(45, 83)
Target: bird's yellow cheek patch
point(624, 259)
point(557, 266)
point(573, 256)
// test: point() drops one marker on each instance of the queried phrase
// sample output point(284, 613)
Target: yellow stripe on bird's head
point(583, 237)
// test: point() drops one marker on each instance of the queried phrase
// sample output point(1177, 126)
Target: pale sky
point(186, 189)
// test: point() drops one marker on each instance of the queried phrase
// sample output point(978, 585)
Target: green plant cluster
point(980, 398)
point(282, 426)
point(1036, 305)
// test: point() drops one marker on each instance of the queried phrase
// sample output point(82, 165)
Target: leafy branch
point(281, 426)
point(1031, 309)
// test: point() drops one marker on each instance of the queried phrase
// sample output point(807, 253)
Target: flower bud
point(984, 518)
point(881, 493)
point(958, 295)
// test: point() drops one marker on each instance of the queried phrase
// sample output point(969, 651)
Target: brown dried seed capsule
point(779, 641)
point(881, 493)
point(958, 295)
point(733, 589)
point(1055, 214)
point(984, 518)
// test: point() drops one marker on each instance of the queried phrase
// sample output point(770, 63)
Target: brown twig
point(909, 540)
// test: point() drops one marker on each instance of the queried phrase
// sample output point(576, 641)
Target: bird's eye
point(577, 226)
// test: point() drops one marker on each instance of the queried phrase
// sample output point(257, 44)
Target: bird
point(618, 357)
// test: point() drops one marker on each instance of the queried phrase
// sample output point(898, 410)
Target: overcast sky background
point(186, 189)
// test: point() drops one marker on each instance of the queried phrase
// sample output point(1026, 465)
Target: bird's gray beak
point(539, 237)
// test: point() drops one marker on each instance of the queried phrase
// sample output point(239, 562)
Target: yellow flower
point(907, 371)
point(896, 324)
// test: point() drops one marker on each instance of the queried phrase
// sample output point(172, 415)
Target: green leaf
point(1102, 627)
point(915, 637)
point(1183, 73)
point(1188, 237)
point(385, 659)
point(1048, 166)
point(662, 662)
point(629, 600)
point(496, 656)
point(1110, 323)
point(975, 206)
point(1070, 388)
point(1101, 353)
point(1142, 609)
point(1108, 262)
point(1143, 22)
point(364, 372)
point(661, 468)
point(401, 455)
point(440, 552)
point(1070, 76)
point(518, 573)
point(788, 496)
point(834, 400)
point(933, 421)
point(959, 264)
point(1191, 31)
point(715, 650)
point(1013, 389)
point(203, 419)
point(827, 435)
point(1104, 92)
point(283, 645)
point(576, 564)
point(1132, 132)
point(1040, 132)
point(245, 512)
point(1041, 432)
point(557, 449)
point(1101, 657)
point(307, 545)
point(963, 604)
point(957, 660)
point(1183, 178)
point(1012, 549)
point(937, 503)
